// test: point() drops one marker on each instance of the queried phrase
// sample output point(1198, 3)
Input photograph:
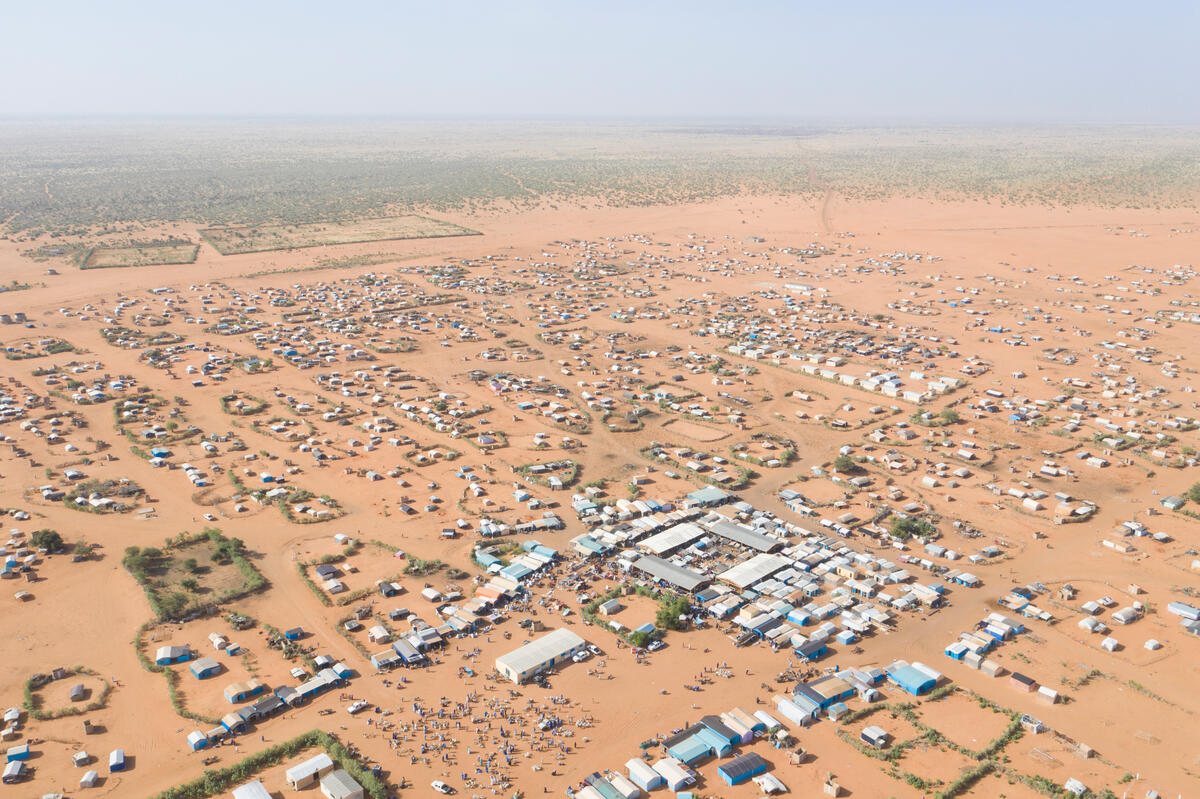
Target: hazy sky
point(903, 60)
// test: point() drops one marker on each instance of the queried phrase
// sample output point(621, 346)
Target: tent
point(766, 718)
point(251, 790)
point(623, 786)
point(769, 783)
point(794, 713)
point(673, 773)
point(641, 775)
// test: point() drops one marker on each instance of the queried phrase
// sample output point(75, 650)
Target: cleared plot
point(694, 431)
point(141, 255)
point(963, 721)
point(934, 763)
point(262, 238)
point(1004, 785)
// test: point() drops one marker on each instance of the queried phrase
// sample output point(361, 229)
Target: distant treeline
point(66, 178)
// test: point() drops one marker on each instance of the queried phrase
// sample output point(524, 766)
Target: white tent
point(642, 775)
point(623, 786)
point(673, 773)
point(769, 783)
point(767, 718)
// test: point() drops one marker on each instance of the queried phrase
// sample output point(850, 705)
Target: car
point(581, 656)
point(441, 787)
point(595, 650)
point(358, 706)
point(655, 645)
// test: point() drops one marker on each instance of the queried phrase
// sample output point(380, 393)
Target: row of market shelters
point(972, 647)
point(594, 514)
point(820, 582)
point(889, 384)
point(465, 617)
point(715, 735)
point(533, 558)
point(491, 528)
point(828, 694)
point(282, 698)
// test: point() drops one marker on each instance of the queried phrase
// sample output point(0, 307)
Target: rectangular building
point(537, 656)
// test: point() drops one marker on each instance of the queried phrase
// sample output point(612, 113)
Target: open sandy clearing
point(696, 432)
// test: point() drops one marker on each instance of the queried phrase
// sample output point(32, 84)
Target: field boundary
point(85, 261)
point(210, 235)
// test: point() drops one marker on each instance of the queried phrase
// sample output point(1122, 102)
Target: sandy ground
point(87, 613)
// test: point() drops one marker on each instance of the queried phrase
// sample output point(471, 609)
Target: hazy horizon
point(873, 63)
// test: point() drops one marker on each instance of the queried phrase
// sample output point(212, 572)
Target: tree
point(845, 464)
point(191, 565)
point(173, 605)
point(949, 415)
point(1193, 493)
point(639, 638)
point(83, 549)
point(190, 584)
point(670, 608)
point(907, 527)
point(47, 539)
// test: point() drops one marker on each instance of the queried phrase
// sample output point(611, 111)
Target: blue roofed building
point(912, 680)
point(690, 750)
point(716, 743)
point(204, 668)
point(707, 497)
